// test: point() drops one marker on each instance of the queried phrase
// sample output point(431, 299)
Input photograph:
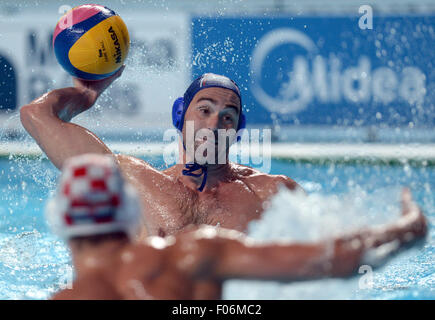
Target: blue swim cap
point(207, 80)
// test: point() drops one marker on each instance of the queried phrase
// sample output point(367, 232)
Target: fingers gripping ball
point(91, 42)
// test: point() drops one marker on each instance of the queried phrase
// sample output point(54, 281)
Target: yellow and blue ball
point(91, 42)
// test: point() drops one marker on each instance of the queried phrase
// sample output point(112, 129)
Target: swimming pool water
point(34, 263)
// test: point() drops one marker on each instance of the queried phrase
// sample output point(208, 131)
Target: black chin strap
point(192, 167)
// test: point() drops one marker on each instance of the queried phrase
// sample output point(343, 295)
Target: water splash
point(33, 265)
point(316, 217)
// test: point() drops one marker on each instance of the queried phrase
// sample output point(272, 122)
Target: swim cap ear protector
point(207, 80)
point(93, 199)
point(177, 113)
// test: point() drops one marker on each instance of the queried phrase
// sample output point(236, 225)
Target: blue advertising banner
point(8, 86)
point(324, 70)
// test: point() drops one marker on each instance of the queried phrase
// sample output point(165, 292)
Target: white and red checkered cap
point(92, 198)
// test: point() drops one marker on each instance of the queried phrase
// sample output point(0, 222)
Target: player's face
point(213, 109)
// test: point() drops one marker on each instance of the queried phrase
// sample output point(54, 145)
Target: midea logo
point(323, 79)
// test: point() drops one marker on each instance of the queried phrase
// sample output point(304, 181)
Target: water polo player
point(98, 215)
point(227, 194)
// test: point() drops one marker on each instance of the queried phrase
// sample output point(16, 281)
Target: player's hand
point(93, 89)
point(411, 226)
point(413, 215)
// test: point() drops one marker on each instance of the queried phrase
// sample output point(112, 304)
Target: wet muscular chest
point(230, 208)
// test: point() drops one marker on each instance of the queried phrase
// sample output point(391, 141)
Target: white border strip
point(402, 152)
point(296, 151)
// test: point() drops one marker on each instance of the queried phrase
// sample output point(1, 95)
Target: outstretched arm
point(237, 257)
point(47, 118)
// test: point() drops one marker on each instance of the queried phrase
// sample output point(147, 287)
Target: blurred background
point(350, 102)
point(306, 68)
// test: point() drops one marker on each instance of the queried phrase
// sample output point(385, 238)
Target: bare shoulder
point(264, 184)
point(142, 258)
point(135, 170)
point(129, 163)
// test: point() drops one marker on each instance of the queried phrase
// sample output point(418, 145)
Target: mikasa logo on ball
point(117, 54)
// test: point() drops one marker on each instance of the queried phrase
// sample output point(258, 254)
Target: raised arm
point(47, 118)
point(280, 262)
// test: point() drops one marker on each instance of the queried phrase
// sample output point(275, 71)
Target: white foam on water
point(33, 265)
point(309, 218)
